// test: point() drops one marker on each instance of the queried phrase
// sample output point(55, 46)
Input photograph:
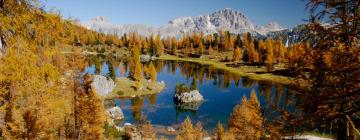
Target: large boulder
point(102, 85)
point(115, 113)
point(188, 97)
point(146, 58)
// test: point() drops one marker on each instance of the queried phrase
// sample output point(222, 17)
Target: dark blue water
point(221, 90)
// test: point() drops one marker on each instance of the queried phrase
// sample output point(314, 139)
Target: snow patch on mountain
point(222, 20)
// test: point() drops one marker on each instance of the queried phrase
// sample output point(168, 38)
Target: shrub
point(181, 88)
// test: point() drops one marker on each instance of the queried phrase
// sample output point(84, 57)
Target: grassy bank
point(241, 71)
point(125, 88)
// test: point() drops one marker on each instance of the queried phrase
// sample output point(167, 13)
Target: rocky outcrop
point(146, 58)
point(188, 97)
point(115, 113)
point(227, 19)
point(102, 85)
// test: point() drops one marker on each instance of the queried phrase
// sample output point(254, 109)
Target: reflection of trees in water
point(193, 85)
point(200, 72)
point(265, 89)
point(122, 68)
point(182, 109)
point(159, 65)
point(112, 71)
point(279, 103)
point(247, 82)
point(152, 99)
point(99, 60)
point(227, 76)
point(136, 108)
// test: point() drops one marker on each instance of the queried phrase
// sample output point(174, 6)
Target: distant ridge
point(226, 19)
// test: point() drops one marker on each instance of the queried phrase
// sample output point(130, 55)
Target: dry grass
point(125, 87)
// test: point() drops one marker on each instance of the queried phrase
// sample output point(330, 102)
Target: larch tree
point(159, 49)
point(269, 52)
point(333, 89)
point(253, 54)
point(246, 120)
point(174, 46)
point(187, 131)
point(210, 49)
point(262, 51)
point(147, 131)
point(219, 132)
point(201, 48)
point(237, 54)
point(91, 114)
point(152, 70)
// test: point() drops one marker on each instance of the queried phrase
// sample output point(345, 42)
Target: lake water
point(221, 90)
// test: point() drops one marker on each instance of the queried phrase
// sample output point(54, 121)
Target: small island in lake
point(125, 87)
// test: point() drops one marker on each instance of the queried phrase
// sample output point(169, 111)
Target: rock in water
point(115, 113)
point(170, 129)
point(102, 85)
point(188, 97)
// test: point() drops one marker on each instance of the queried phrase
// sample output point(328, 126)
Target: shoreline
point(219, 65)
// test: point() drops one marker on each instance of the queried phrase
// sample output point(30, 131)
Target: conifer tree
point(91, 115)
point(246, 120)
point(152, 70)
point(219, 132)
point(201, 48)
point(253, 54)
point(210, 50)
point(237, 54)
point(269, 52)
point(159, 49)
point(187, 131)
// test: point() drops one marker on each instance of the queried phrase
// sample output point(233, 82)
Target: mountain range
point(222, 20)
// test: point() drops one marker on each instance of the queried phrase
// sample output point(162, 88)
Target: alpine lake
point(221, 90)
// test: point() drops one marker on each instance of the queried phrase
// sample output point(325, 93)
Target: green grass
point(241, 71)
point(112, 132)
point(318, 134)
point(125, 88)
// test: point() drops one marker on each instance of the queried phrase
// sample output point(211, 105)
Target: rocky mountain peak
point(226, 19)
point(274, 25)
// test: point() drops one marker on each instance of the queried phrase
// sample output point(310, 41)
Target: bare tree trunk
point(2, 3)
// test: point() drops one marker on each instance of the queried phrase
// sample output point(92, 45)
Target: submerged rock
point(102, 85)
point(115, 113)
point(188, 97)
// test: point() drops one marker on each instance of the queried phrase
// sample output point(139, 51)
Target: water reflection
point(222, 90)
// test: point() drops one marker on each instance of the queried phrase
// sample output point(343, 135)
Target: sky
point(287, 13)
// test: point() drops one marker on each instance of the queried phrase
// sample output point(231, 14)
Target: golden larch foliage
point(246, 120)
point(152, 70)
